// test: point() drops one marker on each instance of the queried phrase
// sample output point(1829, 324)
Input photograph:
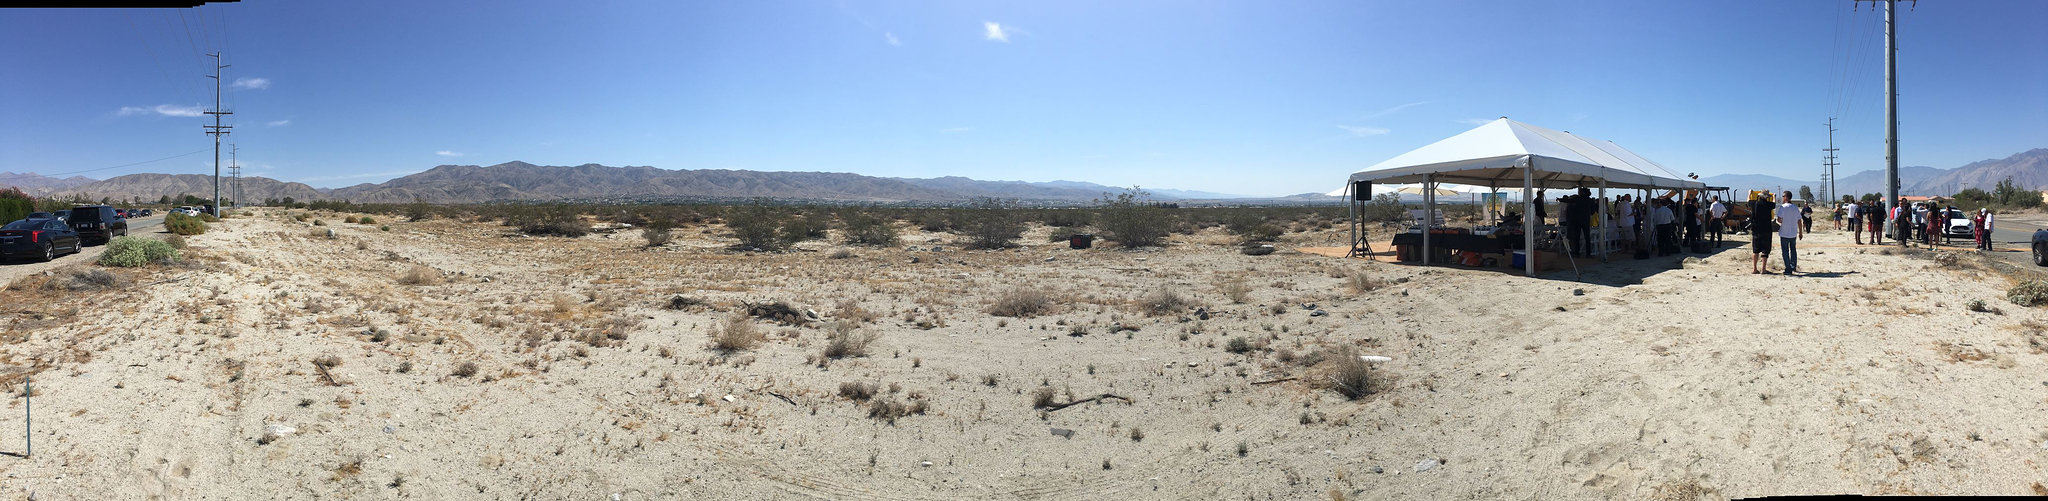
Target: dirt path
point(11, 270)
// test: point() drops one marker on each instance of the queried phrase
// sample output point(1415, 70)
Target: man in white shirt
point(1663, 220)
point(1716, 222)
point(1985, 243)
point(1789, 231)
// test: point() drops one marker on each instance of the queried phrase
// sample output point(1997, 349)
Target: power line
point(217, 130)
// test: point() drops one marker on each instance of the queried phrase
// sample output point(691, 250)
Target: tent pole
point(1428, 205)
point(1606, 220)
point(1351, 207)
point(1529, 217)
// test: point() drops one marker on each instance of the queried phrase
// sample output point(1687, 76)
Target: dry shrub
point(850, 310)
point(1236, 288)
point(1164, 301)
point(859, 391)
point(420, 275)
point(328, 361)
point(1042, 397)
point(844, 342)
point(466, 369)
point(658, 233)
point(1349, 375)
point(2028, 293)
point(888, 409)
point(1022, 302)
point(85, 280)
point(736, 333)
point(1360, 283)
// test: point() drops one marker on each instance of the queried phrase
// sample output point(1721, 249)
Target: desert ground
point(448, 359)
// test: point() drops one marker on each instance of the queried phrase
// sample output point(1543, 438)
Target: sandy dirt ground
point(457, 360)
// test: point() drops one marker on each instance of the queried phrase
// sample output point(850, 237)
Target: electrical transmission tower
point(1827, 180)
point(216, 130)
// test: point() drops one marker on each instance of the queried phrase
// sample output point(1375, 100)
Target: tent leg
point(1428, 216)
point(1529, 218)
point(1606, 220)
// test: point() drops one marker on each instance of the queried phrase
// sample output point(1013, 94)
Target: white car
point(1958, 224)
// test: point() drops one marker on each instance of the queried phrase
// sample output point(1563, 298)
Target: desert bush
point(549, 220)
point(366, 220)
point(175, 241)
point(465, 369)
point(1042, 397)
point(1164, 301)
point(842, 254)
point(1349, 375)
point(420, 275)
point(1022, 302)
point(1384, 208)
point(803, 227)
point(14, 204)
point(2028, 293)
point(992, 223)
point(864, 228)
point(181, 224)
point(658, 232)
point(1236, 288)
point(1131, 221)
point(858, 390)
point(328, 361)
point(349, 220)
point(1238, 345)
point(756, 225)
point(209, 218)
point(130, 252)
point(844, 342)
point(418, 210)
point(1251, 226)
point(1360, 283)
point(736, 333)
point(384, 228)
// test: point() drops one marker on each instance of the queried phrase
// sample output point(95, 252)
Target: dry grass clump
point(1349, 375)
point(1042, 397)
point(736, 333)
point(1236, 288)
point(328, 361)
point(859, 391)
point(466, 369)
point(850, 311)
point(844, 342)
point(420, 275)
point(85, 280)
point(1022, 302)
point(1164, 301)
point(888, 409)
point(1360, 283)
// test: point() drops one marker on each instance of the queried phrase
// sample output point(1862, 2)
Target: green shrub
point(208, 218)
point(802, 227)
point(317, 222)
point(181, 224)
point(1130, 221)
point(864, 228)
point(130, 252)
point(657, 232)
point(558, 220)
point(15, 205)
point(366, 220)
point(992, 223)
point(2028, 293)
point(384, 228)
point(756, 225)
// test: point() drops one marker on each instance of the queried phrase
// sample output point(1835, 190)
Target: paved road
point(2013, 239)
point(16, 269)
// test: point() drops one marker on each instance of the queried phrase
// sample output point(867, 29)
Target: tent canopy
point(1497, 153)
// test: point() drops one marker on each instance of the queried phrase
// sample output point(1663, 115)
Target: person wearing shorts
point(1760, 234)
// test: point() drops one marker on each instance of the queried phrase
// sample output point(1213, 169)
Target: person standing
point(1806, 217)
point(1855, 220)
point(1667, 227)
point(1789, 231)
point(1873, 220)
point(1692, 224)
point(1977, 228)
point(1902, 221)
point(1578, 221)
point(1989, 225)
point(1717, 221)
point(1760, 231)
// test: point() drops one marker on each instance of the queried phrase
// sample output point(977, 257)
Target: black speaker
point(1361, 190)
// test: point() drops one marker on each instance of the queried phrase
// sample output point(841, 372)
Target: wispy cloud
point(251, 83)
point(956, 130)
point(1363, 131)
point(169, 110)
point(279, 123)
point(1393, 110)
point(992, 30)
point(891, 37)
point(447, 153)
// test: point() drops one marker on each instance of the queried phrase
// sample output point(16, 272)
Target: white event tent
point(1506, 153)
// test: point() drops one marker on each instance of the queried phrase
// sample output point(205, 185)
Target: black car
point(2041, 247)
point(41, 238)
point(98, 223)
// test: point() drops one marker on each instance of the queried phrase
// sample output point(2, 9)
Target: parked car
point(40, 238)
point(147, 212)
point(1958, 224)
point(122, 212)
point(40, 215)
point(2041, 247)
point(98, 223)
point(64, 215)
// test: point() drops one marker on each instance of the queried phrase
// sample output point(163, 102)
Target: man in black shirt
point(1761, 231)
point(1578, 221)
point(1691, 217)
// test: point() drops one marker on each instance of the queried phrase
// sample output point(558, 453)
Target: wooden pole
point(28, 408)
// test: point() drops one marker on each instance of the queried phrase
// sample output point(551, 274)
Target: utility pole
point(235, 168)
point(1891, 102)
point(1829, 174)
point(217, 130)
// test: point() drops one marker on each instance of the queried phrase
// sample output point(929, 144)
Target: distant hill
point(2028, 169)
point(38, 184)
point(150, 187)
point(1872, 181)
point(1069, 191)
point(525, 181)
point(1742, 183)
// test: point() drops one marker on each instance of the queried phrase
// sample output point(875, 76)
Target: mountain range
point(521, 181)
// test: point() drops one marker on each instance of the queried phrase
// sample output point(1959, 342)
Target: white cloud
point(251, 83)
point(279, 123)
point(1393, 110)
point(992, 30)
point(955, 130)
point(169, 110)
point(1363, 131)
point(891, 37)
point(447, 153)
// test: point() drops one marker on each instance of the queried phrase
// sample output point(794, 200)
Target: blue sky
point(1258, 98)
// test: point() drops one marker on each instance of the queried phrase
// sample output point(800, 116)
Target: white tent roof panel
point(1495, 155)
